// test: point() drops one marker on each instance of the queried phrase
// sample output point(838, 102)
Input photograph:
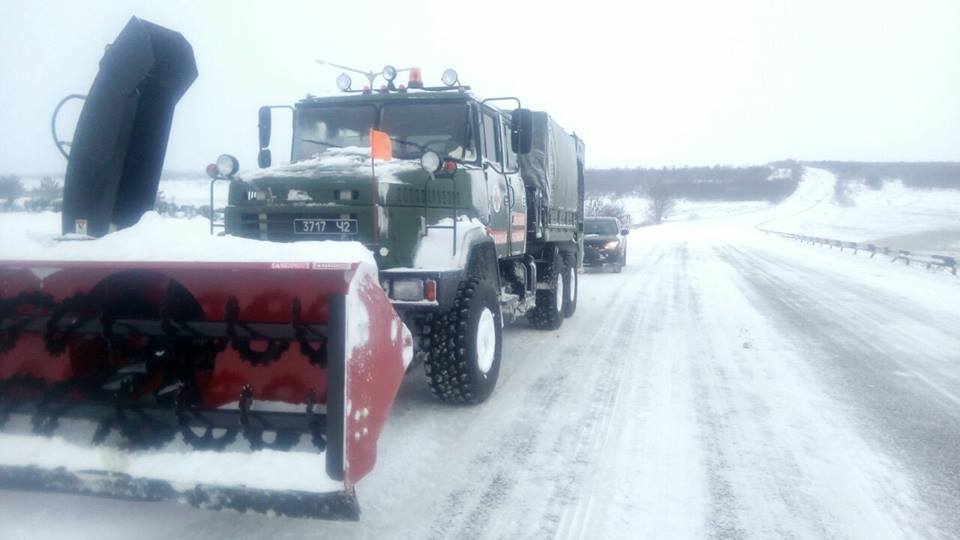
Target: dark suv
point(604, 242)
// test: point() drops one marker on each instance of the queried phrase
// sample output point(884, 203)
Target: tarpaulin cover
point(552, 164)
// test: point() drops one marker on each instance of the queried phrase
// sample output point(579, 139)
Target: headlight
point(344, 82)
point(227, 165)
point(389, 73)
point(409, 290)
point(450, 77)
point(613, 244)
point(430, 161)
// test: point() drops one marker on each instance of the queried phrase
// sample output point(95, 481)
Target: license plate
point(325, 226)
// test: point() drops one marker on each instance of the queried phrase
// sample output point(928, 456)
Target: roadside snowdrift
point(898, 216)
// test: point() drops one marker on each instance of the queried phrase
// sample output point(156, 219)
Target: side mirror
point(263, 126)
point(264, 158)
point(521, 131)
point(624, 232)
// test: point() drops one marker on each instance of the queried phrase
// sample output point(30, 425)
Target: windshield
point(413, 127)
point(600, 226)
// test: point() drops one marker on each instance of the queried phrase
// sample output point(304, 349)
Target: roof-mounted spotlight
point(227, 165)
point(389, 73)
point(450, 77)
point(344, 82)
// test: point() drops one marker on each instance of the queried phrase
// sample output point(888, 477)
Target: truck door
point(499, 227)
point(516, 194)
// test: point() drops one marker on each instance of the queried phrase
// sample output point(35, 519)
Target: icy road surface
point(726, 384)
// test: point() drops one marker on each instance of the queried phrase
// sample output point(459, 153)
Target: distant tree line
point(47, 196)
point(921, 175)
point(772, 182)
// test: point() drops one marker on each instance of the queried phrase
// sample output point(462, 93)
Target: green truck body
point(498, 205)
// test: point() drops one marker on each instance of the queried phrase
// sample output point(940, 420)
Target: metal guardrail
point(928, 260)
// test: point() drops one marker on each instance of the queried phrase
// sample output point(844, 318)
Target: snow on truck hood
point(351, 160)
point(161, 239)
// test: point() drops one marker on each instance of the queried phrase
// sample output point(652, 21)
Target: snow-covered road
point(726, 384)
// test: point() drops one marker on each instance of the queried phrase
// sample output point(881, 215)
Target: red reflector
point(449, 166)
point(416, 78)
point(366, 89)
point(430, 290)
point(212, 170)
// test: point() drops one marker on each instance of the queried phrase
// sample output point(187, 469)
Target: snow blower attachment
point(207, 374)
point(249, 386)
point(121, 137)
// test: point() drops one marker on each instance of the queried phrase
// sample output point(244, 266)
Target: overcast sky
point(643, 83)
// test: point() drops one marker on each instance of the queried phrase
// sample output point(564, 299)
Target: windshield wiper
point(322, 143)
point(415, 145)
point(427, 148)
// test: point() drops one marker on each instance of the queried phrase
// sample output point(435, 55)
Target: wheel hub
point(486, 340)
point(559, 295)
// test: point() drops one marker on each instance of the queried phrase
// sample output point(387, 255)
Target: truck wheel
point(572, 286)
point(624, 262)
point(617, 267)
point(548, 313)
point(465, 346)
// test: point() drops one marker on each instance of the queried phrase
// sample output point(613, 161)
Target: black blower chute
point(116, 157)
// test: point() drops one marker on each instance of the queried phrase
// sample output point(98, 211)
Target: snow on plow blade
point(250, 386)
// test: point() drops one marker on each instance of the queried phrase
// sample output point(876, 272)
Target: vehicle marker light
point(407, 290)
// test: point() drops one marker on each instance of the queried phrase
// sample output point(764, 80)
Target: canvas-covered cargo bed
point(553, 174)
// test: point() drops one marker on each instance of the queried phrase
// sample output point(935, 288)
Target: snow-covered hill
point(896, 215)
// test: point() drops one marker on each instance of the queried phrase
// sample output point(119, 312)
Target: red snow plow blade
point(250, 386)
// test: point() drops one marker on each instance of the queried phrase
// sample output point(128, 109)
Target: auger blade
point(256, 387)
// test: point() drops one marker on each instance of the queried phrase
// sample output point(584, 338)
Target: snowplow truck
point(473, 212)
point(254, 368)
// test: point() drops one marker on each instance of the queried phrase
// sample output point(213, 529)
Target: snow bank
point(194, 192)
point(161, 239)
point(898, 216)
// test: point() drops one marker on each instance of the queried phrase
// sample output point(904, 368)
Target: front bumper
point(597, 256)
point(447, 283)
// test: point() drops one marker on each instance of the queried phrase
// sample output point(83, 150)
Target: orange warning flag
point(380, 145)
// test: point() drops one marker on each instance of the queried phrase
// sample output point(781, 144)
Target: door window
point(491, 148)
point(510, 158)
